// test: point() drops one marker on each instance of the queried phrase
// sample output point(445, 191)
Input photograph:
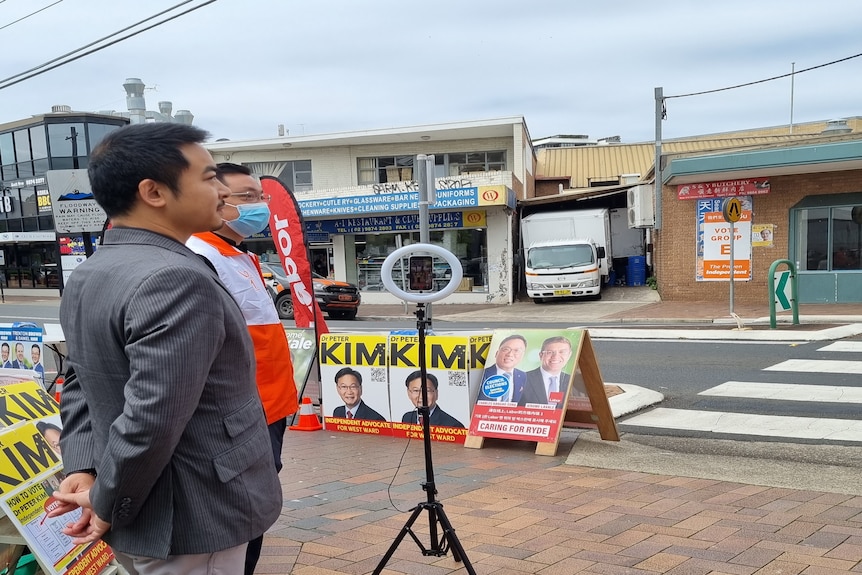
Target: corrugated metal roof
point(608, 162)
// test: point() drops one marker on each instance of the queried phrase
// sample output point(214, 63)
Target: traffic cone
point(58, 387)
point(307, 418)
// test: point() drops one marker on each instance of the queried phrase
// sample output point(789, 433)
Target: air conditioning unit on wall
point(641, 208)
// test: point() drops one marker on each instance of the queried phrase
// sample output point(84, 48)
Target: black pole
point(85, 235)
point(429, 487)
point(436, 515)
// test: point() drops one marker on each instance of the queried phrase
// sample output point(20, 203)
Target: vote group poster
point(713, 243)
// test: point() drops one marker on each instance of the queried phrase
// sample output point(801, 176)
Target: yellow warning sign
point(732, 210)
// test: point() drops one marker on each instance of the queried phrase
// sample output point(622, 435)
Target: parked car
point(340, 300)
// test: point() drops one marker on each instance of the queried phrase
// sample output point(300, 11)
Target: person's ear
point(152, 193)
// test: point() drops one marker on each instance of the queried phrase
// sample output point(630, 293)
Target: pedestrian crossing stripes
point(818, 366)
point(849, 346)
point(746, 424)
point(786, 392)
point(844, 400)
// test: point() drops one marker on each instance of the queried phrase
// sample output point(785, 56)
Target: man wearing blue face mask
point(246, 212)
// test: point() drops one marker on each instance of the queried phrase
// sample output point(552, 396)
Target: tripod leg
point(449, 533)
point(404, 531)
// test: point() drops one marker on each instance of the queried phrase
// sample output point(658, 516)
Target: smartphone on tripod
point(421, 276)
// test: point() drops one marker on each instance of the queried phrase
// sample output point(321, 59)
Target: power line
point(108, 37)
point(765, 79)
point(47, 66)
point(28, 15)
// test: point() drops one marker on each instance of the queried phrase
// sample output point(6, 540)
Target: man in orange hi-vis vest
point(245, 214)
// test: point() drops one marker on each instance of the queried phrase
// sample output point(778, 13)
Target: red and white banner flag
point(288, 233)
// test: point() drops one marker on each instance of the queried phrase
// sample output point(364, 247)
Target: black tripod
point(439, 546)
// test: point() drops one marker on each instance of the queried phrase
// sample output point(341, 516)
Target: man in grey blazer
point(164, 437)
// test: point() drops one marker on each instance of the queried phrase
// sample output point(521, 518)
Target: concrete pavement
point(347, 496)
point(632, 507)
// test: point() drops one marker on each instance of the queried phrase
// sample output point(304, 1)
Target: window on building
point(67, 139)
point(7, 149)
point(97, 132)
point(29, 204)
point(385, 169)
point(459, 164)
point(22, 145)
point(829, 238)
point(469, 245)
point(31, 224)
point(25, 169)
point(38, 143)
point(296, 174)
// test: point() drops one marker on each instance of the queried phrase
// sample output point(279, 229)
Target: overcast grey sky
point(568, 66)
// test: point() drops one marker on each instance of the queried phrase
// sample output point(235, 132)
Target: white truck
point(566, 253)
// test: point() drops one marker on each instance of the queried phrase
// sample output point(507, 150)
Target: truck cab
point(564, 269)
point(566, 253)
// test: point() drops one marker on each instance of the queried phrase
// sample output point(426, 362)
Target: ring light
point(389, 264)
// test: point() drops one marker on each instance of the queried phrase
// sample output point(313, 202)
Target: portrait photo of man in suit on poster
point(348, 383)
point(548, 383)
point(509, 384)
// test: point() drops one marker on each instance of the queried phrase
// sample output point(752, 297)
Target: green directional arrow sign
point(782, 290)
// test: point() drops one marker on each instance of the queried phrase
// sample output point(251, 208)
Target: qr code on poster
point(458, 378)
point(378, 374)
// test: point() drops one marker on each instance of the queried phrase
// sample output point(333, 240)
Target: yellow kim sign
point(24, 455)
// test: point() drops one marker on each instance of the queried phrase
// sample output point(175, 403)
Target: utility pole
point(424, 165)
point(659, 115)
point(73, 136)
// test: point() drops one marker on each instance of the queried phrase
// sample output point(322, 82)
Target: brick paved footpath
point(516, 512)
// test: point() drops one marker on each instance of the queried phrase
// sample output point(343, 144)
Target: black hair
point(44, 426)
point(225, 168)
point(35, 346)
point(5, 344)
point(348, 371)
point(430, 377)
point(514, 336)
point(126, 157)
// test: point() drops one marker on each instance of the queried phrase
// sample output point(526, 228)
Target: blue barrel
point(636, 271)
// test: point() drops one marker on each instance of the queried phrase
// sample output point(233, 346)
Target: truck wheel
point(538, 300)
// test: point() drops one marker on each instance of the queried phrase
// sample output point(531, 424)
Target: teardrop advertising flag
point(288, 233)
